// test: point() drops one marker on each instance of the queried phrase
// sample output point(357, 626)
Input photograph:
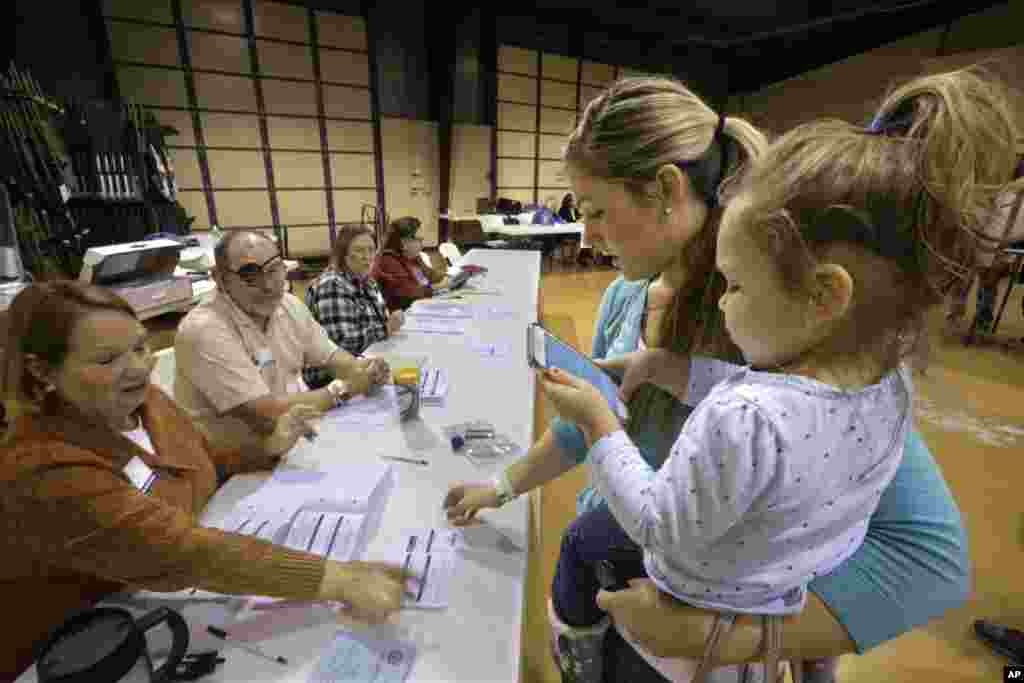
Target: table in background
point(478, 636)
point(539, 230)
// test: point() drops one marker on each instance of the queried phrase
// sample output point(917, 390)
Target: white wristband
point(503, 487)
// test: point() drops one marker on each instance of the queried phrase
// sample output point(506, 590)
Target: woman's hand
point(289, 428)
point(644, 612)
point(372, 590)
point(664, 369)
point(463, 501)
point(578, 401)
point(395, 321)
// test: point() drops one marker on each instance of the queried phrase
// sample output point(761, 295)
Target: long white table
point(539, 230)
point(477, 638)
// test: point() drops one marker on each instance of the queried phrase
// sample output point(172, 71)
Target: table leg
point(1014, 275)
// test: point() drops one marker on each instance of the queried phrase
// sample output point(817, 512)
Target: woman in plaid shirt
point(347, 303)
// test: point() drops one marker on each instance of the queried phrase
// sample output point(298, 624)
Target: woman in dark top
point(402, 276)
point(568, 212)
point(347, 303)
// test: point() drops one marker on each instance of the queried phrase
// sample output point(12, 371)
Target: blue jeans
point(593, 536)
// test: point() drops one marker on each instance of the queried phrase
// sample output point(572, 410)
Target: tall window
point(540, 98)
point(272, 102)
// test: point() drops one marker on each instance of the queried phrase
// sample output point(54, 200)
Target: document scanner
point(142, 273)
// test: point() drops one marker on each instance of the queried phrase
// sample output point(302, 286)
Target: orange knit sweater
point(78, 530)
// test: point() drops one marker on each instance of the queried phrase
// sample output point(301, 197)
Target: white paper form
point(425, 325)
point(433, 386)
point(328, 534)
point(359, 657)
point(431, 557)
point(440, 309)
point(376, 413)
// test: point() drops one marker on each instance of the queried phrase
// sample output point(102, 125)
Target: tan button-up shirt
point(224, 359)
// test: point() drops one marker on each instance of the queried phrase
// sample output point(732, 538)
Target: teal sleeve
point(913, 565)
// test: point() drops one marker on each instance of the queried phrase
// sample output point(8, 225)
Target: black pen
point(221, 634)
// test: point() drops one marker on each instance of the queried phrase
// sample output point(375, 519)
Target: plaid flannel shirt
point(352, 313)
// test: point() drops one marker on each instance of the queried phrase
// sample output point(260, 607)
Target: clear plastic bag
point(479, 441)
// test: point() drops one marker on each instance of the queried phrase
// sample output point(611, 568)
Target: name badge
point(263, 358)
point(139, 474)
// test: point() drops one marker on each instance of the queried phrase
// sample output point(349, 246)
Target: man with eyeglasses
point(240, 353)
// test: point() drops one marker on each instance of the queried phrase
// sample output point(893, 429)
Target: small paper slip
point(434, 575)
point(438, 309)
point(425, 325)
point(362, 658)
point(430, 556)
point(434, 540)
point(492, 349)
point(433, 386)
point(497, 313)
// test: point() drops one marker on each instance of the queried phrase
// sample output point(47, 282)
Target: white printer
point(142, 273)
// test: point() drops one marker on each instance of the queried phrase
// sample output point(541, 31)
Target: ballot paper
point(363, 658)
point(431, 557)
point(264, 525)
point(328, 534)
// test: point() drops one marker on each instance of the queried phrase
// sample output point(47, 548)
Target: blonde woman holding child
point(837, 244)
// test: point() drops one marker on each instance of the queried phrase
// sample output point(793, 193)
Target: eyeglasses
point(253, 274)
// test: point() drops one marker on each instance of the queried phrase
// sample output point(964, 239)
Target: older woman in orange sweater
point(82, 523)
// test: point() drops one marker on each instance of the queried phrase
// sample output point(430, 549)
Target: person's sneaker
point(1008, 642)
point(820, 670)
point(578, 651)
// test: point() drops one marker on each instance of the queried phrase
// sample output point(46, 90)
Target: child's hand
point(664, 369)
point(578, 401)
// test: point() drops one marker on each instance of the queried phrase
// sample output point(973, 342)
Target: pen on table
point(414, 461)
point(221, 634)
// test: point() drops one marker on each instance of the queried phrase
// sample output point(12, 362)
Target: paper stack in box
point(433, 386)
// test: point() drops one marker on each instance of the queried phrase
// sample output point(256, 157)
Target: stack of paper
point(433, 386)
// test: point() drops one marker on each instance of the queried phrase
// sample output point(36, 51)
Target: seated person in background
point(993, 264)
point(568, 212)
point(81, 525)
point(240, 353)
point(401, 274)
point(347, 303)
point(547, 214)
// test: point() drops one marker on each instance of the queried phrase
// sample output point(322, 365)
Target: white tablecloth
point(477, 638)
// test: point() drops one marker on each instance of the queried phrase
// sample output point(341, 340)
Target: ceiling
point(763, 41)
